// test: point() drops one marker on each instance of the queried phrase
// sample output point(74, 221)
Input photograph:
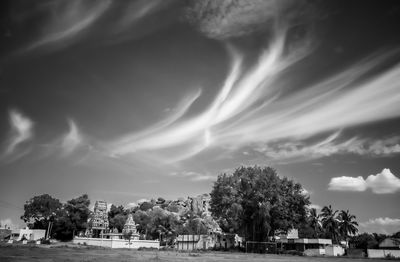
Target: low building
point(215, 240)
point(5, 234)
point(390, 243)
point(313, 246)
point(194, 242)
point(31, 234)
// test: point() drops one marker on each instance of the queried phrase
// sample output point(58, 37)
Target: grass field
point(75, 254)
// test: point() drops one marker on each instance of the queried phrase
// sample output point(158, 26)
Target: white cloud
point(21, 131)
point(346, 183)
point(381, 183)
point(8, 223)
point(317, 207)
point(71, 140)
point(132, 205)
point(384, 182)
point(142, 200)
point(194, 176)
point(381, 225)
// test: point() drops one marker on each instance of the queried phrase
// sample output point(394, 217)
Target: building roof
point(390, 242)
point(306, 241)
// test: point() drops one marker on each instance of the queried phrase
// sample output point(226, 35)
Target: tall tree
point(39, 211)
point(72, 218)
point(117, 217)
point(330, 222)
point(255, 201)
point(347, 224)
point(314, 222)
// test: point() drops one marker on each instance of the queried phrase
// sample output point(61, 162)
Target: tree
point(162, 223)
point(143, 220)
point(314, 222)
point(39, 211)
point(256, 202)
point(347, 224)
point(117, 217)
point(72, 218)
point(330, 223)
point(364, 241)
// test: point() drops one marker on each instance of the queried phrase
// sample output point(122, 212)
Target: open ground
point(17, 253)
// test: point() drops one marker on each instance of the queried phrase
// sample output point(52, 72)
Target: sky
point(132, 100)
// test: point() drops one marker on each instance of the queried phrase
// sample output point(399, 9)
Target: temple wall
point(382, 253)
point(117, 243)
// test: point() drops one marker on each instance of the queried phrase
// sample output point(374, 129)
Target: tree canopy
point(256, 202)
point(40, 210)
point(72, 218)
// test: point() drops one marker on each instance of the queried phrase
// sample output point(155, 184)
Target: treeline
point(330, 224)
point(155, 218)
point(253, 202)
point(370, 241)
point(163, 219)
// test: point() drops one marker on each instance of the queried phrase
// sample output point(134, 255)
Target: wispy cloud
point(297, 150)
point(72, 139)
point(21, 131)
point(63, 23)
point(8, 223)
point(381, 225)
point(382, 183)
point(250, 109)
point(194, 176)
point(67, 19)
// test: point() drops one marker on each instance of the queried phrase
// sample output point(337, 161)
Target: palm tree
point(330, 222)
point(347, 224)
point(314, 221)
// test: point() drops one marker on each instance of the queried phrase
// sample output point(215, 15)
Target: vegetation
point(256, 202)
point(44, 211)
point(253, 202)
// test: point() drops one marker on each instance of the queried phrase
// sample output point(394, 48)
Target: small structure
point(194, 242)
point(215, 240)
point(130, 228)
point(31, 234)
point(5, 234)
point(314, 246)
point(390, 243)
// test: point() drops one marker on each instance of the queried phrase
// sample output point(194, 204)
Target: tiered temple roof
point(130, 225)
point(100, 216)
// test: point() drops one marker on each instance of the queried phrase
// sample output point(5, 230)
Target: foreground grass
point(75, 254)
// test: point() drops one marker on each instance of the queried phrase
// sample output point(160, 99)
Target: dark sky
point(134, 100)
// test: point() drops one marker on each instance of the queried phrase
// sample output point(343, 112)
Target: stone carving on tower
point(130, 226)
point(99, 220)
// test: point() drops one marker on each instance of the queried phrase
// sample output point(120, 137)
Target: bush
point(45, 241)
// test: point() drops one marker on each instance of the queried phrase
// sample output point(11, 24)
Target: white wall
point(31, 234)
point(314, 252)
point(381, 253)
point(117, 243)
point(334, 250)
